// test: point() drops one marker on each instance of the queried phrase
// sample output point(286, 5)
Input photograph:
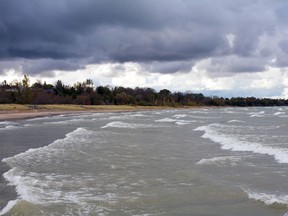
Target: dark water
point(178, 162)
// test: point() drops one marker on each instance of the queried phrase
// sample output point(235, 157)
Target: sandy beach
point(15, 115)
point(17, 112)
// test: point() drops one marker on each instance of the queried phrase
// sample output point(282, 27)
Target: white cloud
point(273, 82)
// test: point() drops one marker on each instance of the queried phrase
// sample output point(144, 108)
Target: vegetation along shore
point(85, 93)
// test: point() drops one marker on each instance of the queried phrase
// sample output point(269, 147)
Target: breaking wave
point(233, 143)
point(35, 187)
point(221, 161)
point(268, 199)
point(120, 124)
point(166, 120)
point(236, 121)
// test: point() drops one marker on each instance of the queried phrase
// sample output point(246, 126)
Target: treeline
point(84, 93)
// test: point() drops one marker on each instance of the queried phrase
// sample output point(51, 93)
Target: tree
point(106, 94)
point(24, 93)
point(89, 86)
point(164, 97)
point(59, 87)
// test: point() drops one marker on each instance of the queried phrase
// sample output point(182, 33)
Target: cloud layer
point(168, 37)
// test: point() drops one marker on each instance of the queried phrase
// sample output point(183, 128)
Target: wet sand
point(6, 115)
point(16, 115)
point(18, 112)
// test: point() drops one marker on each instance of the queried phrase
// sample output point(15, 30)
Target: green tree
point(27, 94)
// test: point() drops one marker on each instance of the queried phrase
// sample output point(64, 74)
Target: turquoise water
point(173, 162)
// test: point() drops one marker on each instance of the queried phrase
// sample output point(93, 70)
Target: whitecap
point(28, 125)
point(47, 188)
point(39, 118)
point(180, 116)
point(279, 113)
point(186, 122)
point(182, 122)
point(236, 121)
point(10, 127)
point(119, 117)
point(233, 143)
point(120, 124)
point(138, 115)
point(257, 114)
point(268, 199)
point(75, 120)
point(205, 117)
point(221, 161)
point(6, 123)
point(35, 156)
point(8, 207)
point(166, 120)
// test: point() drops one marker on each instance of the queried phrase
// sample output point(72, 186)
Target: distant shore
point(17, 112)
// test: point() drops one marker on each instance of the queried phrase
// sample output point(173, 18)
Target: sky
point(226, 48)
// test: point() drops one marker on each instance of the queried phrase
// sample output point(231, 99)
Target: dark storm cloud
point(168, 67)
point(171, 32)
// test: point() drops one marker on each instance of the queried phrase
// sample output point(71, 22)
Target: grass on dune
point(11, 107)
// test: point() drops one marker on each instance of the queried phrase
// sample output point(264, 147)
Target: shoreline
point(26, 112)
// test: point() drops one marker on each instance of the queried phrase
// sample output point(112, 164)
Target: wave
point(35, 156)
point(205, 117)
point(16, 207)
point(279, 113)
point(41, 187)
point(6, 123)
point(178, 121)
point(119, 117)
point(120, 124)
point(182, 122)
point(268, 199)
point(8, 207)
point(63, 122)
point(47, 190)
point(180, 116)
point(166, 120)
point(257, 114)
point(233, 143)
point(221, 161)
point(10, 127)
point(236, 121)
point(139, 115)
point(40, 118)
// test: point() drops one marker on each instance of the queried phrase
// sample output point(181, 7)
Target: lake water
point(228, 161)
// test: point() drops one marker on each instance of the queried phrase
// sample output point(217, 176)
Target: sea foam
point(233, 143)
point(221, 161)
point(8, 207)
point(46, 187)
point(268, 199)
point(35, 156)
point(236, 121)
point(166, 120)
point(120, 124)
